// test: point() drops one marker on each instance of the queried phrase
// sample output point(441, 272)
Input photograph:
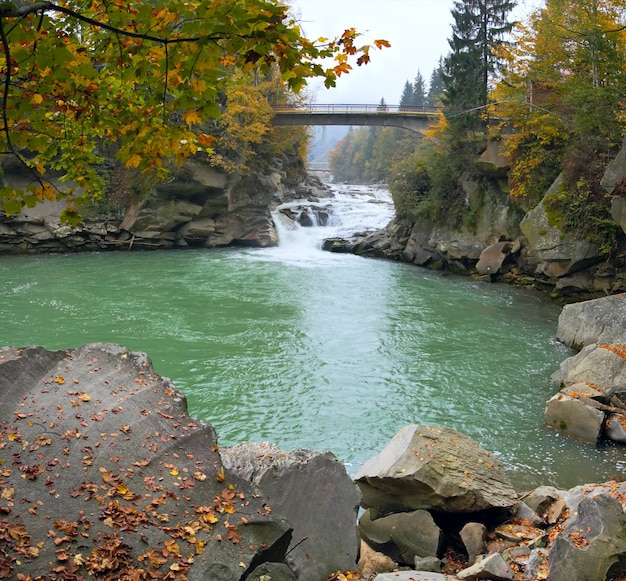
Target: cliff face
point(505, 244)
point(199, 207)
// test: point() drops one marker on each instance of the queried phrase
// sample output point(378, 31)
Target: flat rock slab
point(103, 473)
point(434, 468)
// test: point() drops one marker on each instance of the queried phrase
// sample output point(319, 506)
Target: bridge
point(413, 118)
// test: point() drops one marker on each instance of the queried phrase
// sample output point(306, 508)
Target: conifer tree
point(419, 91)
point(479, 29)
point(436, 86)
point(406, 100)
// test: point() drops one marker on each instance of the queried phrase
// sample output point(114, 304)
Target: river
point(318, 350)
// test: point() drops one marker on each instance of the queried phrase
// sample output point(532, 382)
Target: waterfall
point(350, 210)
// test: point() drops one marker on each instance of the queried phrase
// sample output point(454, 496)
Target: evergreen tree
point(419, 91)
point(436, 86)
point(478, 31)
point(406, 100)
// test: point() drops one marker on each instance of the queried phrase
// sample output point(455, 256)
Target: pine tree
point(479, 29)
point(436, 86)
point(406, 100)
point(419, 91)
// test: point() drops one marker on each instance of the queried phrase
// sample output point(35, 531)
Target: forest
point(551, 90)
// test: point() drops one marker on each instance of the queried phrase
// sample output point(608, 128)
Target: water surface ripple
point(318, 350)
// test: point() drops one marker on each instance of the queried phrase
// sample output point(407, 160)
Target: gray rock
point(539, 499)
point(430, 467)
point(492, 567)
point(537, 566)
point(115, 467)
point(272, 572)
point(595, 321)
point(492, 258)
point(601, 365)
point(615, 428)
point(428, 564)
point(492, 162)
point(413, 576)
point(559, 253)
point(474, 537)
point(574, 418)
point(317, 497)
point(403, 536)
point(592, 543)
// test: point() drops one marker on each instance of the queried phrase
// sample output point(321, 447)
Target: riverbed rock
point(595, 321)
point(402, 536)
point(474, 537)
point(601, 365)
point(109, 475)
point(592, 544)
point(426, 467)
point(574, 417)
point(414, 576)
point(313, 491)
point(492, 567)
point(492, 258)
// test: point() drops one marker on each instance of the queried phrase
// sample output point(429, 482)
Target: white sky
point(418, 31)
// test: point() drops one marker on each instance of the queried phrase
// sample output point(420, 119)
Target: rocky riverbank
point(103, 473)
point(505, 244)
point(199, 207)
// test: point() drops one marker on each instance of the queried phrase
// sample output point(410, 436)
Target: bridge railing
point(357, 108)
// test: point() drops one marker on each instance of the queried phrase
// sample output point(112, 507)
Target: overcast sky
point(418, 31)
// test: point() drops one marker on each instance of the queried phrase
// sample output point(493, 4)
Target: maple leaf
point(192, 117)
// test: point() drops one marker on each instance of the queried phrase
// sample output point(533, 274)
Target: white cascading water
point(352, 209)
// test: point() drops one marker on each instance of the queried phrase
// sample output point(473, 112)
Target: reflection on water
point(318, 350)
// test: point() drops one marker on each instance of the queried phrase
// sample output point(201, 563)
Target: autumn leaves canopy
point(143, 77)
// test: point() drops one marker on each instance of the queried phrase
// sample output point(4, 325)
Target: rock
point(593, 542)
point(317, 497)
point(574, 417)
point(615, 428)
point(428, 564)
point(540, 499)
point(601, 365)
point(492, 258)
point(106, 464)
point(371, 561)
point(492, 567)
point(413, 576)
point(403, 536)
point(474, 537)
point(272, 572)
point(201, 228)
point(537, 567)
point(594, 321)
point(434, 468)
point(558, 253)
point(492, 162)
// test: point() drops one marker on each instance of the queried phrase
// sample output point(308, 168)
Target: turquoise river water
point(318, 350)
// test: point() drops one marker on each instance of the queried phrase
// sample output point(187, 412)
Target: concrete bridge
point(413, 118)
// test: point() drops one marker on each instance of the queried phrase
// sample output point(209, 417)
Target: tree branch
point(6, 12)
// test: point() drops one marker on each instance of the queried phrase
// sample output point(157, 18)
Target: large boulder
point(434, 468)
point(601, 365)
point(574, 417)
point(313, 491)
point(596, 321)
point(107, 475)
point(558, 253)
point(592, 544)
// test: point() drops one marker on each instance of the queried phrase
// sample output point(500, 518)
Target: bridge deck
point(414, 118)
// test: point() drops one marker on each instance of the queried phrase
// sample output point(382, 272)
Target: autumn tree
point(142, 77)
point(565, 93)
